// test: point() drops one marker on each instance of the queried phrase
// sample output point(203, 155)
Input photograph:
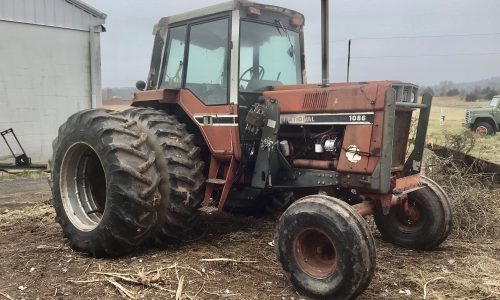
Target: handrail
point(411, 105)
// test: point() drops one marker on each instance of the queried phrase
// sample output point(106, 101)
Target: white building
point(50, 68)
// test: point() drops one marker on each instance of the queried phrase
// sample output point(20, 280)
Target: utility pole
point(325, 43)
point(348, 59)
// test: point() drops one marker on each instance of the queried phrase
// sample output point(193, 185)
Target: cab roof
point(223, 7)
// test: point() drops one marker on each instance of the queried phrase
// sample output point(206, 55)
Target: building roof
point(90, 9)
point(70, 14)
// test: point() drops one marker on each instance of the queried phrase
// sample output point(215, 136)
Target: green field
point(487, 148)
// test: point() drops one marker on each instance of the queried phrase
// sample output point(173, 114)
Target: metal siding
point(40, 13)
point(40, 89)
point(19, 11)
point(7, 9)
point(57, 13)
point(29, 11)
point(78, 17)
point(50, 13)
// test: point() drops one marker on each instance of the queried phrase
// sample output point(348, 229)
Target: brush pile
point(474, 195)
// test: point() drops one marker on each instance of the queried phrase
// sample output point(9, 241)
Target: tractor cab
point(226, 51)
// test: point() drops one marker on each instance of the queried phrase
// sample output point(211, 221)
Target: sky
point(423, 42)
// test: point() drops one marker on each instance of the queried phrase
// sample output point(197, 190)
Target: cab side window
point(207, 67)
point(172, 75)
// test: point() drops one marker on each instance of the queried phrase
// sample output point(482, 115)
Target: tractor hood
point(339, 97)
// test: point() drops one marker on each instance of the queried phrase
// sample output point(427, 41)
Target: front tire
point(104, 183)
point(484, 128)
point(427, 224)
point(325, 248)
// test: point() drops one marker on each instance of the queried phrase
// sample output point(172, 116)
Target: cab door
point(198, 63)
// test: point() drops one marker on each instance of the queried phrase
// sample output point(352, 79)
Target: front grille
point(467, 117)
point(405, 93)
point(316, 100)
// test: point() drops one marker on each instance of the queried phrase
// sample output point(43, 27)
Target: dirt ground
point(36, 262)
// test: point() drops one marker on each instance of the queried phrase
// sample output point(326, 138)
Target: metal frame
point(21, 160)
point(414, 161)
point(235, 58)
point(380, 179)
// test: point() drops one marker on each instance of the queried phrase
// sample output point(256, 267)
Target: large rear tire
point(104, 183)
point(427, 224)
point(182, 179)
point(325, 248)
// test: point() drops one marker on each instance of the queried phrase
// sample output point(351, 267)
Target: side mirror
point(140, 85)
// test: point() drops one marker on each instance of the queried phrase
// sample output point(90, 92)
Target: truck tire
point(428, 224)
point(325, 248)
point(104, 183)
point(484, 128)
point(182, 180)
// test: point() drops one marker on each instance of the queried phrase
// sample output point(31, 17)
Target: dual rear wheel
point(104, 183)
point(180, 169)
point(121, 179)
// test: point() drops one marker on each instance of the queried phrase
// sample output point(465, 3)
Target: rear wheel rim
point(83, 186)
point(315, 253)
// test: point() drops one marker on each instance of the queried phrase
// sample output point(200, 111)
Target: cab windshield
point(494, 102)
point(269, 55)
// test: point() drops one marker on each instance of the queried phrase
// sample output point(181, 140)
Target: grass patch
point(23, 174)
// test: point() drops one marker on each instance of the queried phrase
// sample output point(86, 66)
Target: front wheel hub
point(482, 130)
point(410, 217)
point(315, 253)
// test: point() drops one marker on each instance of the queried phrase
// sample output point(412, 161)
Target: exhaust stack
point(325, 73)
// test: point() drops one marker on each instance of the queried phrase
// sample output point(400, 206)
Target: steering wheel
point(252, 70)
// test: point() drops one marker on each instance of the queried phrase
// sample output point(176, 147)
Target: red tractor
point(226, 119)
